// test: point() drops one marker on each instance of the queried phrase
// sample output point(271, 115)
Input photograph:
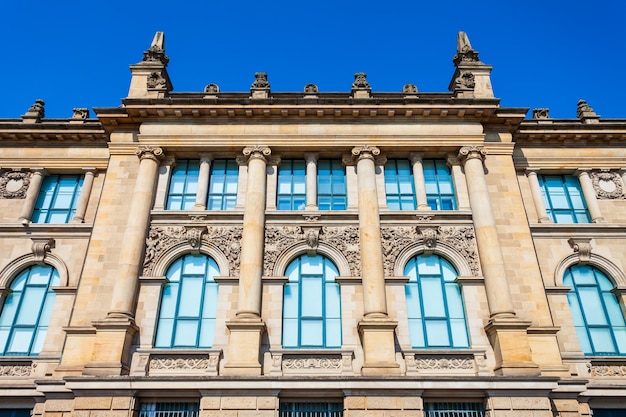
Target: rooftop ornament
point(465, 54)
point(156, 52)
point(586, 114)
point(35, 112)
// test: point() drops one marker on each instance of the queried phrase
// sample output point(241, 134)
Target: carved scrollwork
point(310, 89)
point(409, 89)
point(14, 184)
point(360, 82)
point(316, 362)
point(80, 113)
point(16, 370)
point(444, 363)
point(543, 113)
point(582, 246)
point(607, 184)
point(607, 370)
point(152, 152)
point(156, 80)
point(41, 247)
point(471, 152)
point(212, 88)
point(465, 81)
point(183, 362)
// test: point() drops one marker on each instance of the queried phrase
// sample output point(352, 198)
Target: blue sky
point(544, 54)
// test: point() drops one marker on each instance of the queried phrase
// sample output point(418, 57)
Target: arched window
point(598, 318)
point(312, 304)
point(188, 304)
point(434, 304)
point(26, 311)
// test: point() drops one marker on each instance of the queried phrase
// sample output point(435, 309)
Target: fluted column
point(535, 189)
point(589, 193)
point(31, 195)
point(420, 182)
point(311, 181)
point(203, 182)
point(85, 192)
point(122, 303)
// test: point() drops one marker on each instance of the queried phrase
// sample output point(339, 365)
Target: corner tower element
point(149, 77)
point(472, 78)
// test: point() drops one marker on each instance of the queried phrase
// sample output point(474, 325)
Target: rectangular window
point(183, 187)
point(169, 409)
point(399, 185)
point(57, 199)
point(291, 192)
point(563, 198)
point(439, 186)
point(223, 184)
point(331, 185)
point(311, 409)
point(453, 409)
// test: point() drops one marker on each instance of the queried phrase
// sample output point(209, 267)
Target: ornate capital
point(365, 152)
point(150, 152)
point(311, 157)
point(472, 152)
point(41, 247)
point(206, 158)
point(582, 247)
point(255, 152)
point(415, 157)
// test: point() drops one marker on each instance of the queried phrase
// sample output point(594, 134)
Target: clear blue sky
point(544, 54)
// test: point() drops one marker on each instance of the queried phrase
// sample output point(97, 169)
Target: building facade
point(312, 254)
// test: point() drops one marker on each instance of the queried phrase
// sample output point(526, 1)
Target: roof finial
point(464, 52)
point(156, 52)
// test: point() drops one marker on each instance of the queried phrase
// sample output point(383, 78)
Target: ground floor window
point(453, 409)
point(168, 409)
point(608, 412)
point(20, 412)
point(311, 409)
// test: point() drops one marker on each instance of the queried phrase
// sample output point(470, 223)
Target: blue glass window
point(223, 184)
point(291, 193)
point(26, 311)
point(57, 199)
point(439, 186)
point(434, 304)
point(183, 185)
point(188, 304)
point(311, 304)
point(331, 185)
point(597, 315)
point(453, 409)
point(169, 409)
point(311, 409)
point(563, 199)
point(399, 185)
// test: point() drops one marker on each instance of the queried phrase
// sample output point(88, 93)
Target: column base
point(111, 351)
point(509, 339)
point(379, 353)
point(244, 347)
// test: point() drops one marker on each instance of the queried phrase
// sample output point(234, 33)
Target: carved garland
point(183, 362)
point(162, 238)
point(16, 370)
point(14, 184)
point(608, 185)
point(440, 363)
point(607, 370)
point(396, 239)
point(316, 362)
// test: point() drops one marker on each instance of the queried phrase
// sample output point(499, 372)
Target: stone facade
point(113, 255)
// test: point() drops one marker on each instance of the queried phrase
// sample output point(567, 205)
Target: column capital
point(155, 153)
point(582, 171)
point(416, 157)
point(39, 170)
point(472, 152)
point(531, 171)
point(365, 152)
point(255, 152)
point(311, 157)
point(206, 157)
point(90, 170)
point(453, 160)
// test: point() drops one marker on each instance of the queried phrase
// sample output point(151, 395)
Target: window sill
point(577, 230)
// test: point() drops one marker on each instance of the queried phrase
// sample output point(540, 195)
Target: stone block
point(500, 403)
point(383, 403)
point(210, 403)
point(81, 413)
point(222, 413)
point(122, 403)
point(399, 413)
point(512, 413)
point(267, 403)
point(566, 405)
point(58, 405)
point(412, 403)
point(92, 403)
point(238, 403)
point(109, 413)
point(363, 413)
point(530, 403)
point(354, 403)
point(257, 413)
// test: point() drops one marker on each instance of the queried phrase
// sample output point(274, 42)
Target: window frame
point(228, 200)
point(187, 198)
point(297, 411)
point(577, 215)
point(436, 177)
point(335, 201)
point(399, 178)
point(451, 408)
point(193, 411)
point(50, 190)
point(291, 200)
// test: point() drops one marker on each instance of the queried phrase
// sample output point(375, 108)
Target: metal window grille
point(454, 409)
point(169, 409)
point(311, 409)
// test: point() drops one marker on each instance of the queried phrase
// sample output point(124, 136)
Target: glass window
point(26, 311)
point(183, 187)
point(453, 409)
point(169, 409)
point(439, 186)
point(434, 304)
point(331, 185)
point(597, 315)
point(57, 199)
point(291, 192)
point(188, 304)
point(399, 185)
point(223, 184)
point(312, 304)
point(311, 409)
point(563, 198)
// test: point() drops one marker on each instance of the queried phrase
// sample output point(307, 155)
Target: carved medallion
point(14, 184)
point(607, 184)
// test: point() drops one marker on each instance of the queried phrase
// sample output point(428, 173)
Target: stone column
point(420, 182)
point(32, 194)
point(535, 189)
point(165, 171)
point(506, 332)
point(203, 182)
point(246, 329)
point(623, 174)
point(590, 195)
point(85, 192)
point(376, 328)
point(311, 181)
point(460, 185)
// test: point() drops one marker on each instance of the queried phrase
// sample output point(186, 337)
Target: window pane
point(290, 332)
point(416, 333)
point(31, 305)
point(186, 333)
point(207, 331)
point(20, 340)
point(333, 301)
point(602, 340)
point(164, 333)
point(437, 333)
point(459, 332)
point(40, 337)
point(8, 310)
point(290, 301)
point(312, 333)
point(432, 297)
point(191, 294)
point(592, 306)
point(312, 296)
point(333, 333)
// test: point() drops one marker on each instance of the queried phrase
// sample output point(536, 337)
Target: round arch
point(163, 262)
point(612, 271)
point(300, 248)
point(18, 265)
point(457, 260)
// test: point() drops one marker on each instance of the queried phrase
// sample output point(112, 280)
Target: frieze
point(16, 370)
point(14, 184)
point(446, 363)
point(183, 362)
point(315, 362)
point(396, 239)
point(607, 184)
point(162, 238)
point(607, 370)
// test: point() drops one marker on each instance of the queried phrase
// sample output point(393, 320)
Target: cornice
point(88, 132)
point(543, 132)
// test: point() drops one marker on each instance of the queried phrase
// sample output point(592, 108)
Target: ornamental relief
point(344, 239)
point(163, 238)
point(14, 184)
point(460, 238)
point(448, 363)
point(316, 362)
point(607, 184)
point(16, 370)
point(183, 362)
point(607, 370)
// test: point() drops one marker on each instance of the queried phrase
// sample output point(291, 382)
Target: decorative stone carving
point(441, 364)
point(444, 363)
point(311, 236)
point(608, 185)
point(365, 151)
point(581, 246)
point(162, 238)
point(425, 217)
point(41, 247)
point(312, 362)
point(16, 370)
point(543, 113)
point(310, 89)
point(153, 152)
point(409, 89)
point(14, 184)
point(35, 112)
point(607, 370)
point(256, 151)
point(465, 54)
point(469, 152)
point(182, 362)
point(465, 81)
point(396, 239)
point(584, 109)
point(360, 82)
point(156, 52)
point(212, 89)
point(156, 80)
point(80, 113)
point(260, 82)
point(344, 239)
point(312, 218)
